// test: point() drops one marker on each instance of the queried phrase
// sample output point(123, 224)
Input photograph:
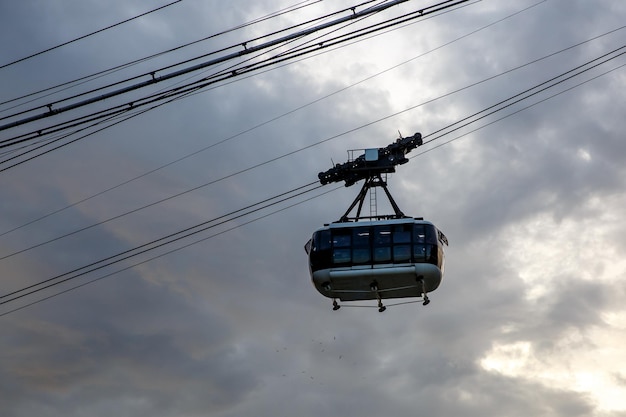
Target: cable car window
point(361, 244)
point(402, 253)
point(419, 235)
point(361, 256)
point(421, 252)
point(321, 240)
point(431, 234)
point(402, 234)
point(402, 243)
point(361, 237)
point(342, 239)
point(341, 256)
point(382, 244)
point(382, 235)
point(382, 254)
point(435, 253)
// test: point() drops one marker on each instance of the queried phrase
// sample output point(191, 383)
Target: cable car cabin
point(374, 260)
point(391, 256)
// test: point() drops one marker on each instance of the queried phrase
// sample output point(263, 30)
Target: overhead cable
point(245, 51)
point(98, 265)
point(305, 106)
point(157, 243)
point(552, 82)
point(509, 114)
point(184, 90)
point(224, 231)
point(498, 106)
point(116, 68)
point(530, 92)
point(88, 35)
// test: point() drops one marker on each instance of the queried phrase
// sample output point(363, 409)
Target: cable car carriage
point(375, 257)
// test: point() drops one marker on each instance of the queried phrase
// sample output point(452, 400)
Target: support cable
point(157, 243)
point(160, 255)
point(88, 35)
point(176, 249)
point(507, 115)
point(184, 90)
point(99, 74)
point(498, 107)
point(121, 108)
point(308, 105)
point(574, 72)
point(156, 79)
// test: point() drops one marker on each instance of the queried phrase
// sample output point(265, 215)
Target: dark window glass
point(361, 256)
point(342, 239)
point(322, 240)
point(402, 242)
point(382, 254)
point(421, 252)
point(431, 234)
point(341, 256)
point(402, 233)
point(361, 237)
point(419, 235)
point(434, 255)
point(382, 235)
point(402, 253)
point(382, 244)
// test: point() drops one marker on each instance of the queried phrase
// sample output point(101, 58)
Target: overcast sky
point(528, 321)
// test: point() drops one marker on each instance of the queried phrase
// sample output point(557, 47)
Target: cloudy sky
point(530, 317)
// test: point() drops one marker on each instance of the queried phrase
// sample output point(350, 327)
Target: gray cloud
point(232, 326)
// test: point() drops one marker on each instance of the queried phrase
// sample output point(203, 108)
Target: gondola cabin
point(374, 260)
point(375, 257)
